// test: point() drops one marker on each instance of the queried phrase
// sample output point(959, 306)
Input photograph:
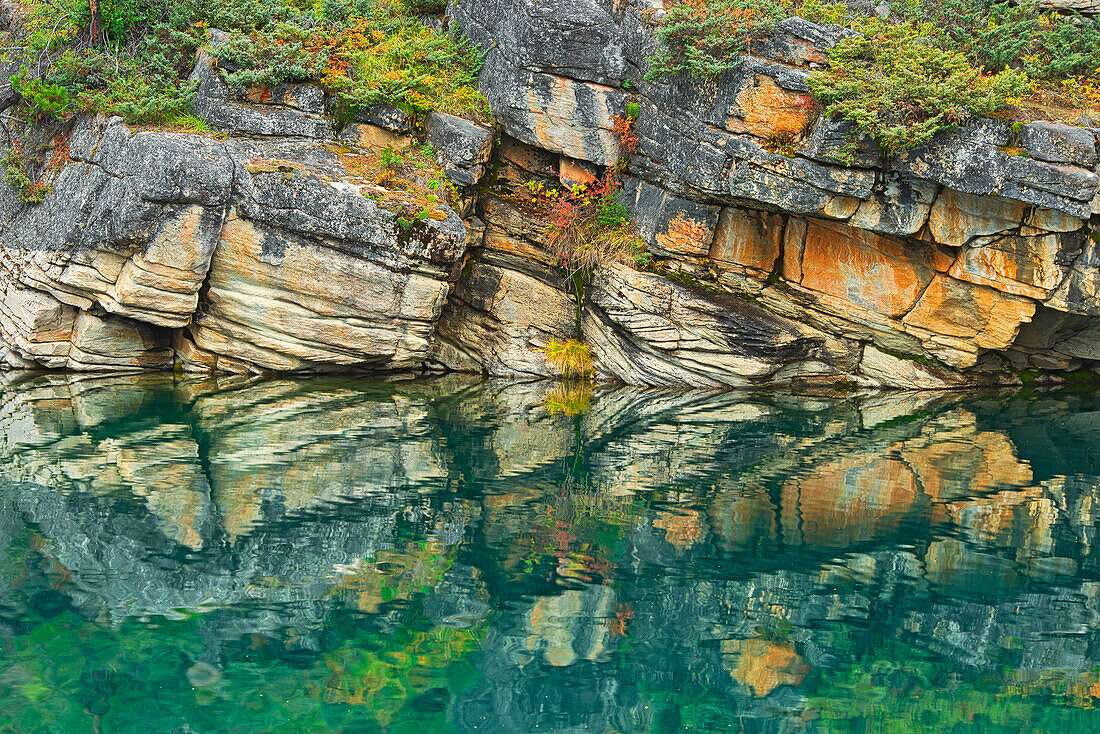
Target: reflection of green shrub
point(900, 88)
point(569, 398)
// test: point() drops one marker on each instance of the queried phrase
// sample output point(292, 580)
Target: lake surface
point(448, 555)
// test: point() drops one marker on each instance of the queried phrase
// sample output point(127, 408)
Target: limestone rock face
point(942, 255)
point(773, 246)
point(645, 329)
point(297, 266)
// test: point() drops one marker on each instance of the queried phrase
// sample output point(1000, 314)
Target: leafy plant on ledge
point(900, 88)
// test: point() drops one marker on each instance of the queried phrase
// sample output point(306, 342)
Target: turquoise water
point(448, 555)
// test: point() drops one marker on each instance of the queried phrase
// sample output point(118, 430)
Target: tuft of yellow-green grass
point(569, 398)
point(571, 358)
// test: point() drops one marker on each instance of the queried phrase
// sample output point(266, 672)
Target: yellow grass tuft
point(571, 358)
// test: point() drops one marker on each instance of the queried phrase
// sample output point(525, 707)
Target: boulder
point(1058, 143)
point(462, 147)
point(269, 116)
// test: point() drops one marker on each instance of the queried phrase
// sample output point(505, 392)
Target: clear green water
point(341, 555)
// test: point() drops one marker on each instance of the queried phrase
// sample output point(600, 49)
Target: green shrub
point(43, 98)
point(28, 190)
point(1003, 35)
point(365, 52)
point(361, 51)
point(707, 37)
point(898, 86)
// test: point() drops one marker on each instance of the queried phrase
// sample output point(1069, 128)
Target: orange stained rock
point(847, 500)
point(870, 270)
point(749, 238)
point(771, 112)
point(1030, 270)
point(686, 236)
point(571, 172)
point(954, 308)
point(763, 666)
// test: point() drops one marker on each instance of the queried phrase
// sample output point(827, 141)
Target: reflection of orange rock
point(573, 626)
point(763, 666)
point(955, 459)
point(683, 528)
point(848, 500)
point(742, 520)
point(1005, 515)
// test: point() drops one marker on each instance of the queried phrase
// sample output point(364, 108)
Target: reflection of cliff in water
point(738, 547)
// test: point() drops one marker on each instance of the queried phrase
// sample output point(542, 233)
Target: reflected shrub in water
point(569, 398)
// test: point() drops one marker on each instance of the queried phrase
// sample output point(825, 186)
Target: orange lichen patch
point(686, 236)
point(260, 95)
point(848, 500)
point(763, 666)
point(683, 528)
point(872, 271)
point(749, 238)
point(770, 112)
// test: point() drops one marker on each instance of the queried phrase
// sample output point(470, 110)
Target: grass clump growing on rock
point(571, 358)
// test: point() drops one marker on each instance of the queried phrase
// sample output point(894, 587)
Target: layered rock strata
point(969, 261)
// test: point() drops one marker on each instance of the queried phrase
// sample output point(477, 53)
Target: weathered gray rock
point(221, 108)
point(128, 229)
point(1057, 143)
point(461, 146)
point(385, 116)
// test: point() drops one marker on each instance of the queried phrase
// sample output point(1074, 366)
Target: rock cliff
point(972, 260)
